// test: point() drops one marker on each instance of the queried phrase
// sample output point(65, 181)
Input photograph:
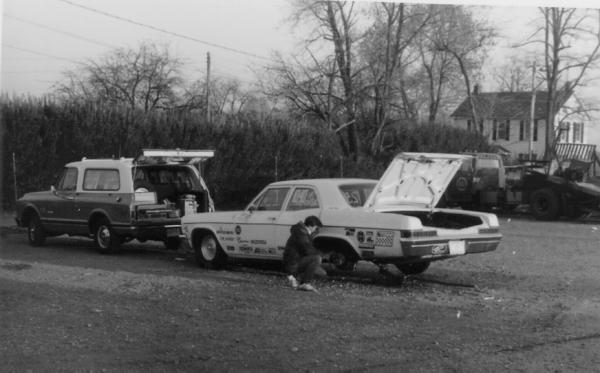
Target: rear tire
point(105, 238)
point(209, 253)
point(35, 232)
point(341, 261)
point(544, 204)
point(413, 268)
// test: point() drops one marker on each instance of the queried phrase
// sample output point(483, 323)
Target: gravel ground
point(532, 305)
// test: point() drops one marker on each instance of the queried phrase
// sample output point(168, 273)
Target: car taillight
point(489, 230)
point(417, 234)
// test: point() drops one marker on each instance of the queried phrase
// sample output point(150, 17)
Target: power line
point(166, 31)
point(59, 31)
point(39, 53)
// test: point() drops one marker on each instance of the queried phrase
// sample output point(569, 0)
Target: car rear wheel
point(107, 241)
point(341, 261)
point(209, 253)
point(413, 268)
point(35, 232)
point(544, 204)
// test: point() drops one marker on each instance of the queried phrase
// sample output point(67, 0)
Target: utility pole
point(208, 87)
point(532, 117)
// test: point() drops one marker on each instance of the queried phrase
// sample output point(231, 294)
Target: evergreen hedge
point(249, 153)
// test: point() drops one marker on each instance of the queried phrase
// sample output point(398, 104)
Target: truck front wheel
point(35, 232)
point(544, 204)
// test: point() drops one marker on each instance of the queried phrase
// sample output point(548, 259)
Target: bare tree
point(146, 78)
point(562, 29)
point(514, 75)
point(395, 29)
point(466, 40)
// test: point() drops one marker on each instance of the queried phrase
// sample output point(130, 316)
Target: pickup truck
point(117, 200)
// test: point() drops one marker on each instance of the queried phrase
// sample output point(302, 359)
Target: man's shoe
point(293, 282)
point(307, 287)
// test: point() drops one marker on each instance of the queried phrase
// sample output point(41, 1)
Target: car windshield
point(356, 194)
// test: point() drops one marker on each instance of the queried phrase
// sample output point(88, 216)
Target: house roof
point(504, 105)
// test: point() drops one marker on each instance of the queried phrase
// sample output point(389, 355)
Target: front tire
point(413, 268)
point(35, 232)
point(105, 238)
point(209, 253)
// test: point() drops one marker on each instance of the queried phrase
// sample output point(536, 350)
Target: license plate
point(457, 247)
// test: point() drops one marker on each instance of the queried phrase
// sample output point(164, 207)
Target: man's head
point(312, 223)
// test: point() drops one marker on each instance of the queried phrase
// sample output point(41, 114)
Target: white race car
point(393, 220)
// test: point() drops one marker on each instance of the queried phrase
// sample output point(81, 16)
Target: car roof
point(324, 181)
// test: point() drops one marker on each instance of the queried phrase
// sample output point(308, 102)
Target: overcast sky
point(42, 38)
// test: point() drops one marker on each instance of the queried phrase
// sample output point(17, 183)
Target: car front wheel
point(35, 231)
point(107, 241)
point(209, 253)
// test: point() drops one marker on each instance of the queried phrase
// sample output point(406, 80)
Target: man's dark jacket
point(298, 245)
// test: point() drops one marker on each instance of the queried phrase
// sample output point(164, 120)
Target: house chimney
point(476, 89)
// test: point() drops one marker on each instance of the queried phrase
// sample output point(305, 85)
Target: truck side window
point(68, 179)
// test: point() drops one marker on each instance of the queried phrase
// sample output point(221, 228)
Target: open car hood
point(415, 180)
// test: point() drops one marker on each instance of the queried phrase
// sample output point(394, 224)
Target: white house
point(504, 118)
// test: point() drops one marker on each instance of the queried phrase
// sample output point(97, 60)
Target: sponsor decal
point(238, 229)
point(241, 241)
point(246, 249)
point(272, 250)
point(360, 236)
point(384, 238)
point(350, 231)
point(366, 246)
point(228, 238)
point(280, 248)
point(259, 250)
point(230, 248)
point(221, 231)
point(258, 242)
point(439, 249)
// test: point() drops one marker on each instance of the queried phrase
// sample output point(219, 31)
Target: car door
point(303, 202)
point(255, 227)
point(63, 205)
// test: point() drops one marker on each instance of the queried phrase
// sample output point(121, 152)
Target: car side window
point(99, 179)
point(68, 179)
point(272, 199)
point(303, 199)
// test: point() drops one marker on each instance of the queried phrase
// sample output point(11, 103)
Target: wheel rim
point(103, 235)
point(208, 247)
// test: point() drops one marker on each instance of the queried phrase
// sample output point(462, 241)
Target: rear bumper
point(433, 249)
point(150, 232)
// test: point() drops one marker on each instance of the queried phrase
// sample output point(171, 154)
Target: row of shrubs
point(40, 136)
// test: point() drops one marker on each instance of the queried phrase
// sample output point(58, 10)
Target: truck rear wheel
point(544, 204)
point(105, 238)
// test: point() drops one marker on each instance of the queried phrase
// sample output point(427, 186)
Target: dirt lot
point(532, 305)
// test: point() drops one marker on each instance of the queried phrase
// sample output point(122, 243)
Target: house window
point(504, 130)
point(535, 130)
point(494, 130)
point(469, 125)
point(522, 130)
point(578, 132)
point(563, 129)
